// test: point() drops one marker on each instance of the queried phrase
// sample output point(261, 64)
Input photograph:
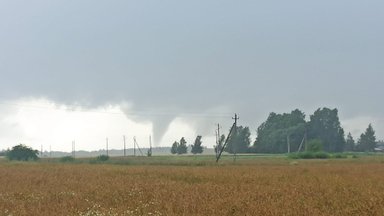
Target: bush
point(340, 155)
point(102, 158)
point(321, 155)
point(99, 159)
point(309, 155)
point(22, 153)
point(67, 159)
point(293, 156)
point(315, 145)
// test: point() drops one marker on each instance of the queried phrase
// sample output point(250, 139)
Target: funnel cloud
point(199, 60)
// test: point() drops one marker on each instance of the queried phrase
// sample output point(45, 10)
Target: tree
point(174, 148)
point(325, 125)
point(196, 147)
point(239, 141)
point(349, 143)
point(182, 148)
point(367, 141)
point(274, 134)
point(22, 153)
point(220, 144)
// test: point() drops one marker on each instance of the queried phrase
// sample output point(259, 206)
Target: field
point(194, 186)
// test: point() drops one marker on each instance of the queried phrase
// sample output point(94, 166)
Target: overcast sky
point(197, 60)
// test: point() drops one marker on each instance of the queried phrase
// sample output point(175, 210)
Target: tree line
point(290, 132)
point(323, 132)
point(182, 148)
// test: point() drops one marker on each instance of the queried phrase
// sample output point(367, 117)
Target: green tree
point(182, 148)
point(196, 147)
point(325, 126)
point(22, 153)
point(274, 133)
point(367, 141)
point(239, 141)
point(174, 147)
point(349, 143)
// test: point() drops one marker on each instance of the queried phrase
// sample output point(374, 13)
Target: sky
point(90, 69)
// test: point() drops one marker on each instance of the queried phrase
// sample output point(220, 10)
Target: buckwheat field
point(331, 187)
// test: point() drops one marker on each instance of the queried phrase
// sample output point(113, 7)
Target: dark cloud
point(250, 57)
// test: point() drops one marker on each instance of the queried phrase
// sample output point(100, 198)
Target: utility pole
point(231, 132)
point(305, 140)
point(124, 147)
point(74, 148)
point(107, 146)
point(149, 153)
point(235, 132)
point(138, 147)
point(288, 144)
point(218, 147)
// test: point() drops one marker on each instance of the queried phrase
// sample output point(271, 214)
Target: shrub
point(67, 159)
point(309, 155)
point(340, 156)
point(322, 155)
point(102, 158)
point(315, 145)
point(293, 156)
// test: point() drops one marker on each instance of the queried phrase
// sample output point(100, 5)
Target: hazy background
point(176, 68)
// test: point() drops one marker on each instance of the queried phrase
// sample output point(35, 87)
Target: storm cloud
point(173, 58)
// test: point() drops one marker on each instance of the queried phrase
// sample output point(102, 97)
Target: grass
point(189, 185)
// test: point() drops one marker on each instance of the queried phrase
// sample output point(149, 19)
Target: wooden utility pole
point(107, 146)
point(288, 144)
point(217, 140)
point(231, 132)
point(124, 147)
point(138, 147)
point(234, 147)
point(149, 153)
point(305, 140)
point(74, 148)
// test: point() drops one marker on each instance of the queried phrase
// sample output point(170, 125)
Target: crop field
point(264, 186)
